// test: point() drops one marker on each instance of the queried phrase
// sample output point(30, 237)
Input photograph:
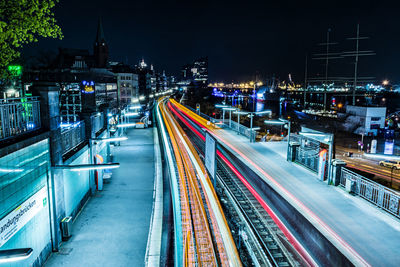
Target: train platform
point(112, 229)
point(365, 233)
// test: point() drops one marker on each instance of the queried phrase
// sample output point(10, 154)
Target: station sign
point(88, 96)
point(16, 219)
point(87, 87)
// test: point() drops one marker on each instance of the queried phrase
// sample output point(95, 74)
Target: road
point(382, 174)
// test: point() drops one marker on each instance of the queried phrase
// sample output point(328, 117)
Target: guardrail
point(72, 137)
point(308, 158)
point(19, 116)
point(205, 116)
point(379, 195)
point(243, 130)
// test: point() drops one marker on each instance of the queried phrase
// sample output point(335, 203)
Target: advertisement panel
point(373, 146)
point(16, 219)
point(389, 147)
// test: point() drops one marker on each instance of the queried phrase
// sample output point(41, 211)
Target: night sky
point(240, 39)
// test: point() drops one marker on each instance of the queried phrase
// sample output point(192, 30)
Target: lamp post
point(280, 122)
point(251, 115)
point(230, 114)
point(238, 118)
point(254, 96)
point(223, 111)
point(87, 167)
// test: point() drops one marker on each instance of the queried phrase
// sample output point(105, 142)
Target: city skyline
point(239, 41)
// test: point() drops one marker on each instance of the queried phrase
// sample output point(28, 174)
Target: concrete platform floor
point(112, 229)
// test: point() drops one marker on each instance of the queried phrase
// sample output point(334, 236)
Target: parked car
point(390, 164)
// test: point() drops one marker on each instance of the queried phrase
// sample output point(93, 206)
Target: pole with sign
point(210, 159)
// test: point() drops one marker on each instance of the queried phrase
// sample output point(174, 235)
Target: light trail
point(346, 249)
point(175, 203)
point(192, 173)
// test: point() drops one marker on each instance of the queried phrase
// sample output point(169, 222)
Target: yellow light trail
point(193, 179)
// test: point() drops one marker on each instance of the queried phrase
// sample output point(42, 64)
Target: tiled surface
point(16, 187)
point(76, 184)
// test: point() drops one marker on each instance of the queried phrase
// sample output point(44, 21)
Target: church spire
point(100, 47)
point(100, 33)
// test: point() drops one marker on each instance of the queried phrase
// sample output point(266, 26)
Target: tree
point(23, 22)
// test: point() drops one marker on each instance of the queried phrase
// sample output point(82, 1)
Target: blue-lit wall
point(17, 187)
point(76, 183)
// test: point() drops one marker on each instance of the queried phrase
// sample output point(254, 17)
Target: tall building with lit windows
point(196, 73)
point(200, 71)
point(128, 83)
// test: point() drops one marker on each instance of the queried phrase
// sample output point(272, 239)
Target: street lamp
point(223, 111)
point(131, 114)
point(11, 255)
point(126, 125)
point(87, 167)
point(230, 114)
point(251, 115)
point(280, 122)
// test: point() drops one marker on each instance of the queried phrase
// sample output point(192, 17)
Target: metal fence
point(73, 136)
point(308, 158)
point(18, 116)
point(307, 154)
point(200, 114)
point(380, 195)
point(243, 130)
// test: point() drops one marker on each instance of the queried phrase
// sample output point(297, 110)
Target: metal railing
point(243, 130)
point(205, 116)
point(19, 116)
point(379, 195)
point(72, 137)
point(307, 158)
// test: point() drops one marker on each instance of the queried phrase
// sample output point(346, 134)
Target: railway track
point(252, 226)
point(205, 236)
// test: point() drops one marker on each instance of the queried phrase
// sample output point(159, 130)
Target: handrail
point(19, 116)
point(381, 196)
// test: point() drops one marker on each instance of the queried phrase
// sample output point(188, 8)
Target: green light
point(15, 70)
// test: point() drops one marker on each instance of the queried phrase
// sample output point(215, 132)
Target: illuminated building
point(146, 78)
point(200, 71)
point(128, 83)
point(196, 73)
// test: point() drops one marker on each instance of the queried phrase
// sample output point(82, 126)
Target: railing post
point(3, 126)
point(336, 173)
